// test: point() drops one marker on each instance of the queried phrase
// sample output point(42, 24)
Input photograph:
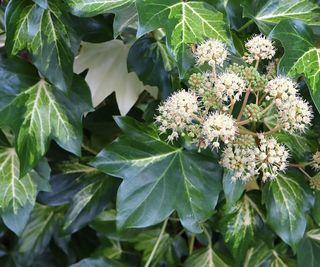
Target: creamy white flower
point(316, 160)
point(272, 158)
point(241, 160)
point(219, 126)
point(229, 86)
point(281, 89)
point(176, 113)
point(259, 47)
point(295, 114)
point(211, 51)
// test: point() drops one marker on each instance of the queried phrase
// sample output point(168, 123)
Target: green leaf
point(257, 255)
point(42, 113)
point(238, 224)
point(316, 208)
point(309, 65)
point(185, 23)
point(39, 230)
point(89, 201)
point(287, 32)
point(146, 241)
point(309, 249)
point(302, 58)
point(300, 146)
point(125, 11)
point(267, 14)
point(90, 8)
point(98, 262)
point(159, 178)
point(232, 189)
point(14, 192)
point(288, 198)
point(205, 257)
point(46, 33)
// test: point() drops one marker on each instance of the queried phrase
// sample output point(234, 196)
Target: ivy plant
point(159, 133)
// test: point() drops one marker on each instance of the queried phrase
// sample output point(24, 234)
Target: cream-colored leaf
point(107, 73)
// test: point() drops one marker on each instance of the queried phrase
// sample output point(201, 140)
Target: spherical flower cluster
point(316, 160)
point(229, 86)
point(241, 159)
point(200, 83)
point(280, 89)
point(211, 51)
point(219, 126)
point(295, 115)
point(259, 47)
point(272, 157)
point(315, 182)
point(177, 113)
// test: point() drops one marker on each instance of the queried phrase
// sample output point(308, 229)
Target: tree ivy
point(88, 178)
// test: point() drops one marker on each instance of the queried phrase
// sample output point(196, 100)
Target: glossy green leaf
point(232, 189)
point(185, 23)
point(309, 249)
point(39, 230)
point(89, 201)
point(288, 199)
point(46, 33)
point(205, 257)
point(301, 146)
point(238, 224)
point(42, 113)
point(146, 241)
point(95, 7)
point(257, 255)
point(267, 14)
point(316, 208)
point(159, 178)
point(309, 65)
point(98, 262)
point(289, 32)
point(302, 58)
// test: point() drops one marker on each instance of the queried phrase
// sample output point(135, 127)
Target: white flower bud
point(281, 89)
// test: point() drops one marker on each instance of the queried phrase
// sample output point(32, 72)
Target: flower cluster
point(230, 110)
point(259, 47)
point(177, 113)
point(229, 86)
point(212, 52)
point(219, 126)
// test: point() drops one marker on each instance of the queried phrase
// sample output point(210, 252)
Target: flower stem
point(246, 97)
point(246, 131)
point(157, 243)
point(275, 129)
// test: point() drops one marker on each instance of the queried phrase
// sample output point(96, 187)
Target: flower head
point(212, 51)
point(229, 86)
point(295, 114)
point(315, 182)
point(272, 157)
point(280, 89)
point(259, 47)
point(316, 160)
point(219, 126)
point(241, 159)
point(176, 113)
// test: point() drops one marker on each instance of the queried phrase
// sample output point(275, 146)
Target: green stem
point(191, 243)
point(246, 25)
point(157, 243)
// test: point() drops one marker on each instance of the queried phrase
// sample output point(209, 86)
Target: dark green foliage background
point(85, 187)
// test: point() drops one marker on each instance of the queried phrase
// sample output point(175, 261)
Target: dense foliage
point(159, 133)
